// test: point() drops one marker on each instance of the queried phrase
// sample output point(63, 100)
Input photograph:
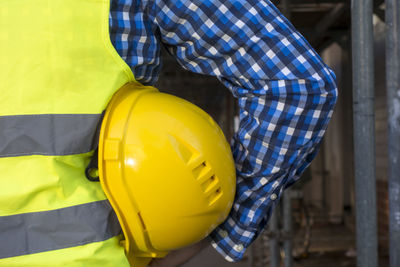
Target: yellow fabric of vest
point(56, 61)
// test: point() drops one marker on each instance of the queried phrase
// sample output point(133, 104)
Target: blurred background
point(315, 224)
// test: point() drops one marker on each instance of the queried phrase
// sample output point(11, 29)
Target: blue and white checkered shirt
point(286, 93)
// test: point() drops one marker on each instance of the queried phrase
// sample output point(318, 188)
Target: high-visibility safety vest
point(58, 71)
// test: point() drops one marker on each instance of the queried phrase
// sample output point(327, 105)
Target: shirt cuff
point(231, 240)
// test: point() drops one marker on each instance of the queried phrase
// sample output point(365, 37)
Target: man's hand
point(179, 257)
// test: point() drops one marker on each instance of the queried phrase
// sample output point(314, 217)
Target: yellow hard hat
point(166, 169)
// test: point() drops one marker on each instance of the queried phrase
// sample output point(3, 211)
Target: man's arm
point(286, 96)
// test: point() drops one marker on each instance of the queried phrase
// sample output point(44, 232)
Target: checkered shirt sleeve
point(285, 92)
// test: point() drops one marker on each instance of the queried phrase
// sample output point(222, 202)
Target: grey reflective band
point(48, 134)
point(36, 232)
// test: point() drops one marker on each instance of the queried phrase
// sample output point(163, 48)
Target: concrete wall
point(334, 142)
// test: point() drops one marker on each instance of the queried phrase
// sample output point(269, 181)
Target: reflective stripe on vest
point(48, 134)
point(58, 70)
point(49, 230)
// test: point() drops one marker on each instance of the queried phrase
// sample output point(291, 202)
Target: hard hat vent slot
point(209, 182)
point(217, 194)
point(201, 171)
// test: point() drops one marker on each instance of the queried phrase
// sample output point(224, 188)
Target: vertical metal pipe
point(287, 228)
point(274, 242)
point(393, 102)
point(364, 141)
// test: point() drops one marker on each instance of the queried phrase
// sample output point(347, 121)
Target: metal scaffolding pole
point(364, 141)
point(274, 239)
point(393, 102)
